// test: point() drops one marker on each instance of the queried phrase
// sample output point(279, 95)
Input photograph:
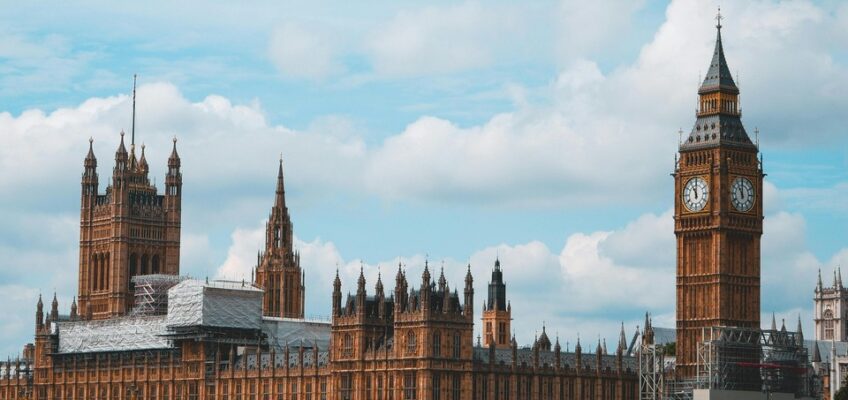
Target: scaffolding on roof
point(651, 371)
point(151, 293)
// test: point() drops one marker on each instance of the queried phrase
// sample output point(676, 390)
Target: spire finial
point(132, 138)
point(718, 18)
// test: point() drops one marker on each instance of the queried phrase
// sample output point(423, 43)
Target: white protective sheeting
point(214, 304)
point(116, 334)
point(283, 331)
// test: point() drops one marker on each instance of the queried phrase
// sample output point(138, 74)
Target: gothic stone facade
point(412, 344)
point(127, 231)
point(718, 218)
point(830, 311)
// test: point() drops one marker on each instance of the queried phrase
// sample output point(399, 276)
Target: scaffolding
point(729, 359)
point(651, 371)
point(151, 293)
point(750, 359)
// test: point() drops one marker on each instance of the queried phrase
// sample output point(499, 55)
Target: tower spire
point(718, 75)
point(280, 200)
point(132, 134)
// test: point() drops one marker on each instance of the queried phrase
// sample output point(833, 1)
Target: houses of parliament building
point(139, 330)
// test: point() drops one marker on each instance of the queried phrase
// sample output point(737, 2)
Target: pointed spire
point(122, 150)
point(280, 199)
point(839, 277)
point(819, 283)
point(816, 352)
point(442, 281)
point(174, 158)
point(800, 332)
point(142, 162)
point(74, 309)
point(605, 346)
point(783, 325)
point(361, 281)
point(718, 75)
point(90, 159)
point(54, 308)
point(622, 339)
point(773, 323)
point(834, 279)
point(379, 286)
point(425, 277)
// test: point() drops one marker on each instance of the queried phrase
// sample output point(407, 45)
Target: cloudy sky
point(456, 131)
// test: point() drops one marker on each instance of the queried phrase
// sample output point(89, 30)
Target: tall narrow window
point(410, 388)
point(347, 350)
point(456, 388)
point(437, 344)
point(457, 346)
point(501, 333)
point(437, 386)
point(346, 387)
point(411, 344)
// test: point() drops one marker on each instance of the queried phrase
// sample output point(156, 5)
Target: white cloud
point(301, 52)
point(439, 40)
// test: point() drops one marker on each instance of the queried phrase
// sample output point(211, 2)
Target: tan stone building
point(147, 333)
point(718, 219)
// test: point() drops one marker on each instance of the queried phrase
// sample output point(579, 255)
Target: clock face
point(742, 194)
point(696, 194)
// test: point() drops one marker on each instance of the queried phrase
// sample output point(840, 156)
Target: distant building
point(830, 310)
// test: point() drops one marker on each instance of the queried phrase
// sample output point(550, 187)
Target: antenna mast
point(132, 137)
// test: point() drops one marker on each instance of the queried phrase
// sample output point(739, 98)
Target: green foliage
point(670, 349)
point(841, 394)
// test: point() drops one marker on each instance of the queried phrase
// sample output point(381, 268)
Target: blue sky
point(458, 131)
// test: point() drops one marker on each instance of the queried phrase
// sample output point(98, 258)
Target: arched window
point(457, 345)
point(155, 266)
point(411, 343)
point(437, 344)
point(347, 345)
point(144, 269)
point(828, 324)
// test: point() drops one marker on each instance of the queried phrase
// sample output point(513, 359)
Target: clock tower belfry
point(718, 217)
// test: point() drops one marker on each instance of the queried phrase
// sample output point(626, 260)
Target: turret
point(380, 295)
point(121, 158)
point(819, 283)
point(174, 179)
point(557, 353)
point(469, 294)
point(54, 309)
point(360, 293)
point(39, 315)
point(73, 315)
point(578, 353)
point(337, 295)
point(142, 162)
point(89, 176)
point(400, 291)
point(598, 356)
point(425, 287)
point(442, 281)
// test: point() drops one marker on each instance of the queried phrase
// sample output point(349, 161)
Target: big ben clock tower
point(718, 217)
